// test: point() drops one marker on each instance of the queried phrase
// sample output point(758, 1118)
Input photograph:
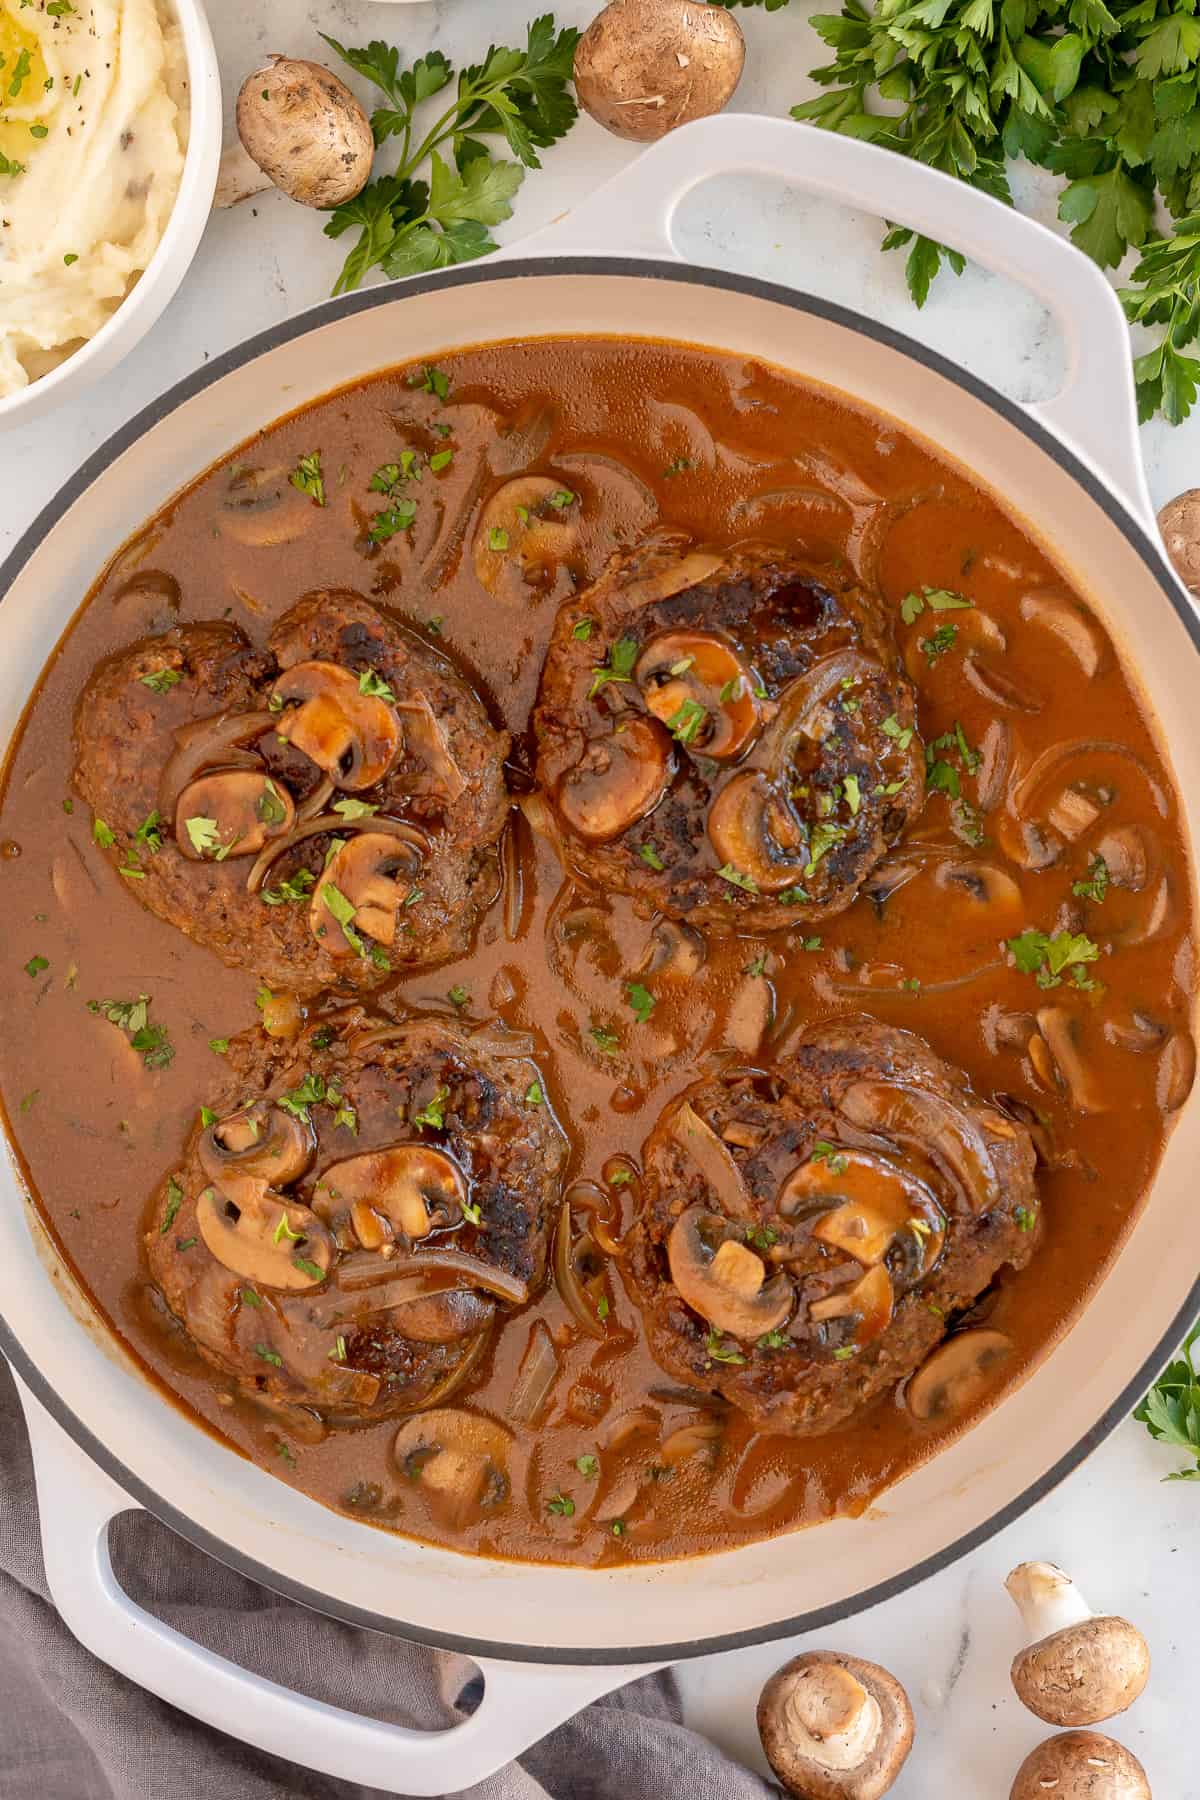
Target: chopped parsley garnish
point(269, 807)
point(441, 459)
point(607, 1042)
point(345, 914)
point(562, 1505)
point(651, 858)
point(149, 832)
point(640, 1001)
point(561, 499)
point(821, 841)
point(310, 1091)
point(308, 478)
point(762, 1237)
point(458, 996)
point(582, 631)
point(103, 834)
point(338, 1353)
point(312, 1269)
point(534, 1095)
point(902, 736)
point(430, 380)
point(588, 1466)
point(619, 667)
point(207, 1116)
point(394, 519)
point(831, 1156)
point(293, 888)
point(219, 1046)
point(1026, 1218)
point(497, 538)
point(720, 1351)
point(268, 1355)
point(20, 74)
point(810, 943)
point(773, 1340)
point(205, 837)
point(943, 639)
point(845, 1352)
point(283, 1229)
point(360, 809)
point(735, 878)
point(35, 965)
point(160, 680)
point(602, 1308)
point(758, 966)
point(685, 723)
point(1096, 885)
point(9, 166)
point(1036, 953)
point(472, 1212)
point(936, 599)
point(851, 793)
point(174, 1202)
point(250, 1297)
point(372, 683)
point(433, 1113)
point(133, 1017)
point(732, 690)
point(678, 466)
point(794, 896)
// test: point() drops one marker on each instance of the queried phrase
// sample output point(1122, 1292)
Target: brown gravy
point(644, 433)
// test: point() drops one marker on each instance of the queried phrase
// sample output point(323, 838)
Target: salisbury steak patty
point(727, 733)
point(319, 810)
point(345, 1230)
point(809, 1231)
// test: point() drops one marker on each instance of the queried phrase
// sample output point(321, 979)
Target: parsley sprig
point(1171, 1410)
point(408, 224)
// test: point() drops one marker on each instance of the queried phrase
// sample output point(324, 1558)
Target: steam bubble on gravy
point(92, 148)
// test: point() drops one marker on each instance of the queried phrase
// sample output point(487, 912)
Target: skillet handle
point(521, 1703)
point(1095, 412)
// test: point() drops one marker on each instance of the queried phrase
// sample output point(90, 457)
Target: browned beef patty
point(357, 1211)
point(808, 1231)
point(320, 809)
point(728, 734)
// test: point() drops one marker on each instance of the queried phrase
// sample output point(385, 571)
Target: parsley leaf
point(619, 667)
point(308, 478)
point(640, 1000)
point(1096, 885)
point(1036, 953)
point(407, 223)
point(1171, 1410)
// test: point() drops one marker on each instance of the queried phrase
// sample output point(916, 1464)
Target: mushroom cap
point(306, 131)
point(617, 780)
point(1081, 1765)
point(1179, 523)
point(643, 67)
point(835, 1727)
point(957, 1374)
point(340, 723)
point(1083, 1673)
point(728, 1288)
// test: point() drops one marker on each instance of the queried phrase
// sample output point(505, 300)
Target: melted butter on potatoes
point(92, 144)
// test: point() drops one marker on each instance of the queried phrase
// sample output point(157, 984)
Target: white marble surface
point(1130, 1540)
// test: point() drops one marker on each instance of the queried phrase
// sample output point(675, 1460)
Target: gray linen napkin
point(73, 1730)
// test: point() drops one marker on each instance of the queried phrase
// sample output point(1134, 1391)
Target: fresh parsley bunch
point(1171, 1410)
point(1106, 95)
point(407, 223)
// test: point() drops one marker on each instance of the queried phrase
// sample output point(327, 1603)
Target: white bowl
point(172, 259)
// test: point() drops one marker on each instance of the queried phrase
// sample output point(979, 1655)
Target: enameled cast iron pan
point(550, 1639)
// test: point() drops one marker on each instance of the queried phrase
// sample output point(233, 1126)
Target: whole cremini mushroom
point(835, 1727)
point(1179, 523)
point(1079, 1667)
point(643, 67)
point(1081, 1765)
point(305, 130)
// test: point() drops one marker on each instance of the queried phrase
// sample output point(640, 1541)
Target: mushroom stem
point(1046, 1598)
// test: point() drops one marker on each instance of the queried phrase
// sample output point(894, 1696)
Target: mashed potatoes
point(93, 125)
